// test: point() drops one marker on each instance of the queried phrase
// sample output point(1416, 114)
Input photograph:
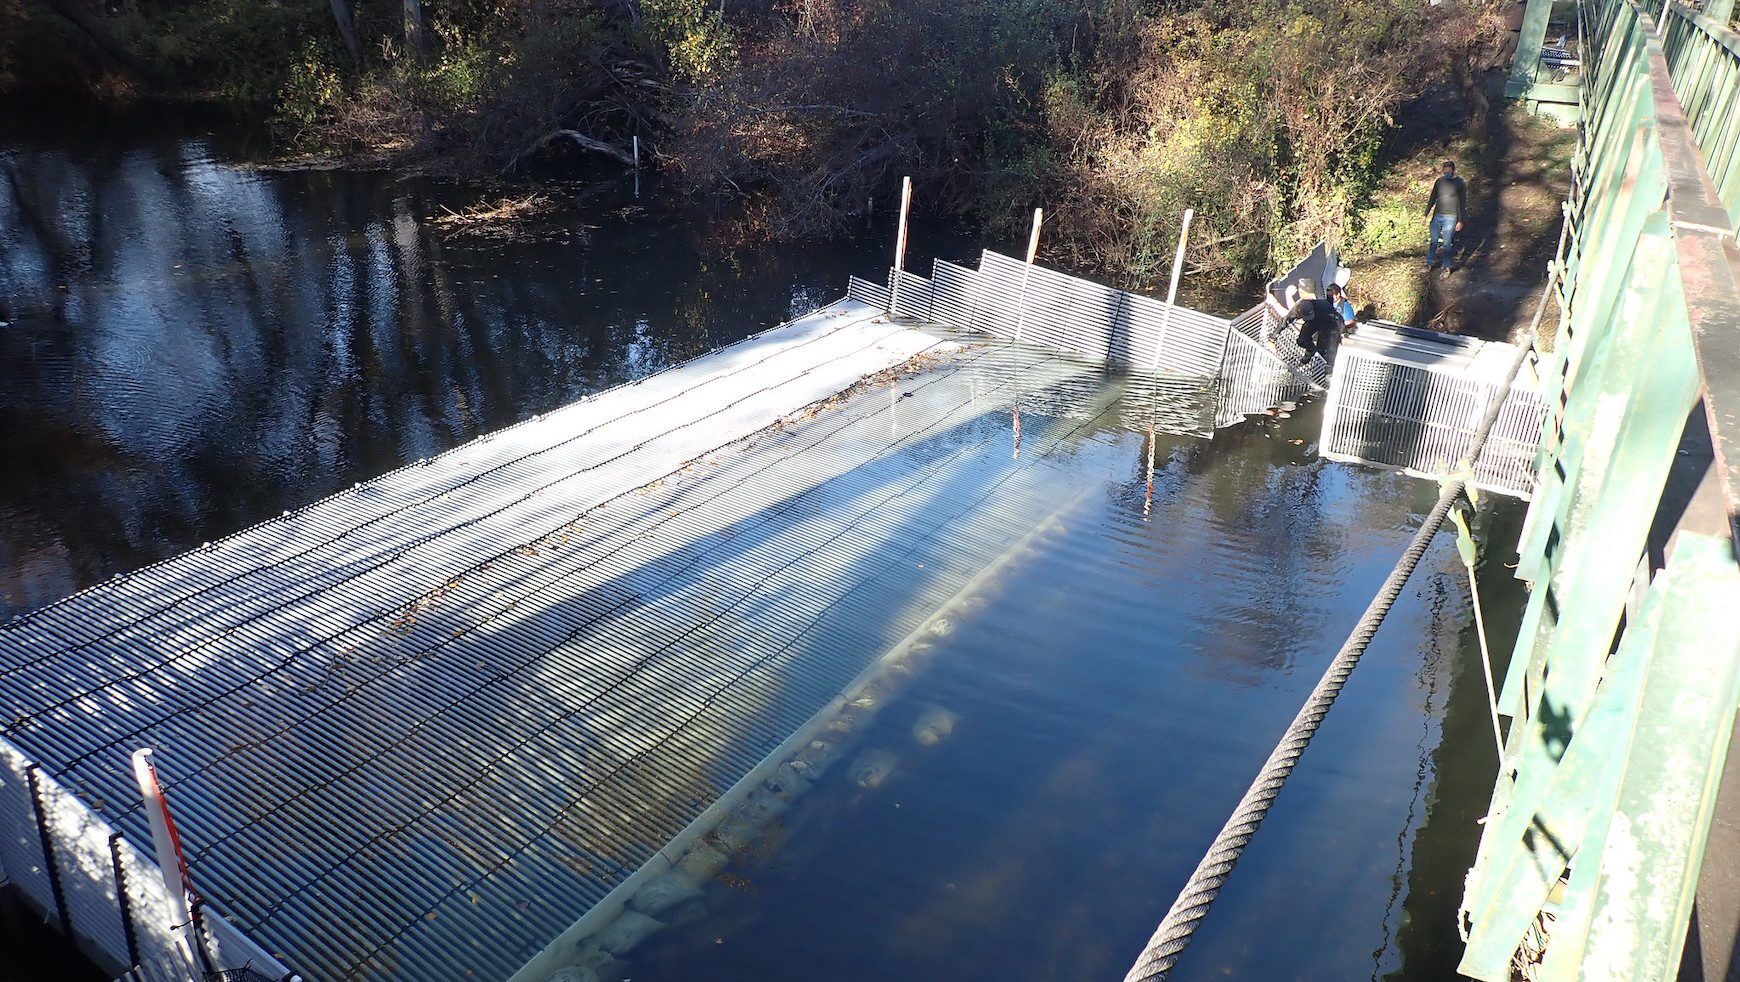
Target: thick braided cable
point(1173, 934)
point(1175, 931)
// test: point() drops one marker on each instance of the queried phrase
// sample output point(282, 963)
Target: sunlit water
point(191, 347)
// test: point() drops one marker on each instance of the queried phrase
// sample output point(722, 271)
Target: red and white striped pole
point(170, 860)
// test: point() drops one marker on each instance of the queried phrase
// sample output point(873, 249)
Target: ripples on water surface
point(192, 347)
point(1104, 701)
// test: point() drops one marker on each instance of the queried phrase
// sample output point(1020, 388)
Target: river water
point(191, 346)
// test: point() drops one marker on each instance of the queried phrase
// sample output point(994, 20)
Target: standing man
point(1444, 211)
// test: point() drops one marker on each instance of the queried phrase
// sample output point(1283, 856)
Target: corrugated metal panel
point(1254, 380)
point(1253, 323)
point(1079, 316)
point(1069, 314)
point(954, 294)
point(868, 293)
point(914, 296)
point(1046, 307)
point(1189, 343)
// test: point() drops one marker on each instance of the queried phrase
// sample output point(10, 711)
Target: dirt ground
point(1518, 172)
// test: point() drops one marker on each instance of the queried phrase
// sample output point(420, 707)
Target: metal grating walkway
point(422, 727)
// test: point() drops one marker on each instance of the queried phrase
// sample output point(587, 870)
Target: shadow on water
point(1107, 702)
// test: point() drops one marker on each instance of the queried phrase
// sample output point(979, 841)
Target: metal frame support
point(1528, 48)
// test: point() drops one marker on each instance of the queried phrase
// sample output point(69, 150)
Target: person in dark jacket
point(1319, 323)
point(1445, 208)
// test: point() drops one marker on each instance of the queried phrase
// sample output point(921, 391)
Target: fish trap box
point(1410, 400)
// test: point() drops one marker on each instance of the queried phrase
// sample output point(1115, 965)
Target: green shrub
point(692, 33)
point(312, 90)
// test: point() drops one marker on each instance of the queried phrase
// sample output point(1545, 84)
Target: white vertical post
point(169, 858)
point(900, 242)
point(1027, 274)
point(1159, 345)
point(1172, 291)
point(637, 151)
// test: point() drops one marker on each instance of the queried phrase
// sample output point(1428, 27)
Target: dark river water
point(191, 346)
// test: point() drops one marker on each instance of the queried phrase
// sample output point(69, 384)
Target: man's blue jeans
point(1444, 231)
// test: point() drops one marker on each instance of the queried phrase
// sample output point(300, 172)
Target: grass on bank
point(1517, 170)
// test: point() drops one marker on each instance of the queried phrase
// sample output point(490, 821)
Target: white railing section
point(1096, 321)
point(83, 877)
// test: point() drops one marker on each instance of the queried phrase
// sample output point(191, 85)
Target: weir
point(454, 721)
point(495, 713)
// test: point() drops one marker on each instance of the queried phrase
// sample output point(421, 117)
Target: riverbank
point(800, 120)
point(1518, 171)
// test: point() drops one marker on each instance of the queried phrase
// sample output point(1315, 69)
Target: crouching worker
point(1319, 324)
point(1344, 307)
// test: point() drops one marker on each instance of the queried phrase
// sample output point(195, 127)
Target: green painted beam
point(1541, 842)
point(1563, 519)
point(1528, 47)
point(1652, 854)
point(1622, 709)
point(1556, 93)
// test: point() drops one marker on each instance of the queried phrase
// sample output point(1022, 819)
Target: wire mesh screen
point(1420, 420)
point(1007, 298)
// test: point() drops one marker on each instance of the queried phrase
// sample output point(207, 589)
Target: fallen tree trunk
point(586, 142)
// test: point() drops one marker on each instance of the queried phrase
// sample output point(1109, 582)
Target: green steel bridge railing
point(1703, 57)
point(1624, 682)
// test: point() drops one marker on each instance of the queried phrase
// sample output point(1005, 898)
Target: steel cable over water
point(1179, 926)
